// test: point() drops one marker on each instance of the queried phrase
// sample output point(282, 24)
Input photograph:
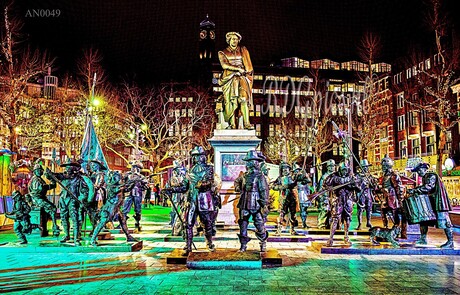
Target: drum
point(417, 208)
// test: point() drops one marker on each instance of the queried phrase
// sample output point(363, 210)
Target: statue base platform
point(226, 259)
point(367, 248)
point(230, 147)
point(54, 246)
point(455, 217)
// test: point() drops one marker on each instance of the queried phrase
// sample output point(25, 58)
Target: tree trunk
point(440, 152)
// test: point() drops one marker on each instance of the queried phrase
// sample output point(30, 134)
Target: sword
point(167, 194)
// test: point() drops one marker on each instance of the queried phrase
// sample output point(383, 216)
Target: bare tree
point(372, 107)
point(434, 83)
point(165, 123)
point(19, 66)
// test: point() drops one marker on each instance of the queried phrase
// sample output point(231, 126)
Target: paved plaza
point(304, 270)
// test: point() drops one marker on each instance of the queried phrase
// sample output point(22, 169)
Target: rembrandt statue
point(236, 81)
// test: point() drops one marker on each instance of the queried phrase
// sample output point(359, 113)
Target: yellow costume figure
point(236, 81)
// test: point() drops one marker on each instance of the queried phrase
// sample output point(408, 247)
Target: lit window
point(401, 123)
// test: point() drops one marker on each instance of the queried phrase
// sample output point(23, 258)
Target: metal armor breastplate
point(204, 198)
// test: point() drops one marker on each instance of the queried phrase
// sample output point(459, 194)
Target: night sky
point(158, 40)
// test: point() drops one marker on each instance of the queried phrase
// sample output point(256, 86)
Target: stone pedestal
point(230, 147)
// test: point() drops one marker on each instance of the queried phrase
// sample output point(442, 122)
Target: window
point(416, 146)
point(427, 64)
point(430, 148)
point(278, 130)
point(271, 130)
point(297, 131)
point(413, 118)
point(400, 100)
point(448, 146)
point(409, 73)
point(403, 148)
point(336, 149)
point(257, 110)
point(258, 128)
point(401, 123)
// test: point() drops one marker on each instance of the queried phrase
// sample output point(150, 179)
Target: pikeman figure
point(285, 184)
point(303, 190)
point(365, 197)
point(341, 200)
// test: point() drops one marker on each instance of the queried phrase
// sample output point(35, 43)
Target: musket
point(71, 194)
point(184, 227)
point(312, 197)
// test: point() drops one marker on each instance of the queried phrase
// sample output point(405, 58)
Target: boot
point(368, 218)
point(209, 244)
point(243, 241)
point(137, 217)
point(67, 233)
point(359, 221)
point(188, 241)
point(130, 238)
point(279, 229)
point(450, 239)
point(263, 246)
point(423, 233)
point(403, 234)
point(293, 232)
point(346, 239)
point(23, 241)
point(334, 223)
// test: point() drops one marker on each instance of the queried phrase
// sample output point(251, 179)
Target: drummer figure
point(433, 187)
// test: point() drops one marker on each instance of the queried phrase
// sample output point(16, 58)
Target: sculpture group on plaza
point(286, 184)
point(200, 195)
point(38, 189)
point(253, 202)
point(21, 217)
point(112, 208)
point(236, 82)
point(433, 190)
point(135, 185)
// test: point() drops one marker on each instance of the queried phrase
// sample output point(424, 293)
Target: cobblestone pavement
point(304, 271)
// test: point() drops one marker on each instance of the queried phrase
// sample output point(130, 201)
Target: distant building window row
point(181, 99)
point(327, 64)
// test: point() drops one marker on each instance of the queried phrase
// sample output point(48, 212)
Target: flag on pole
point(90, 147)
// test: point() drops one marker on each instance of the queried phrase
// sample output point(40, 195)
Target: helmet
point(387, 161)
point(198, 150)
point(296, 167)
point(284, 165)
point(37, 166)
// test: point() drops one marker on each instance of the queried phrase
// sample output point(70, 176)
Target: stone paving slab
point(55, 246)
point(382, 249)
